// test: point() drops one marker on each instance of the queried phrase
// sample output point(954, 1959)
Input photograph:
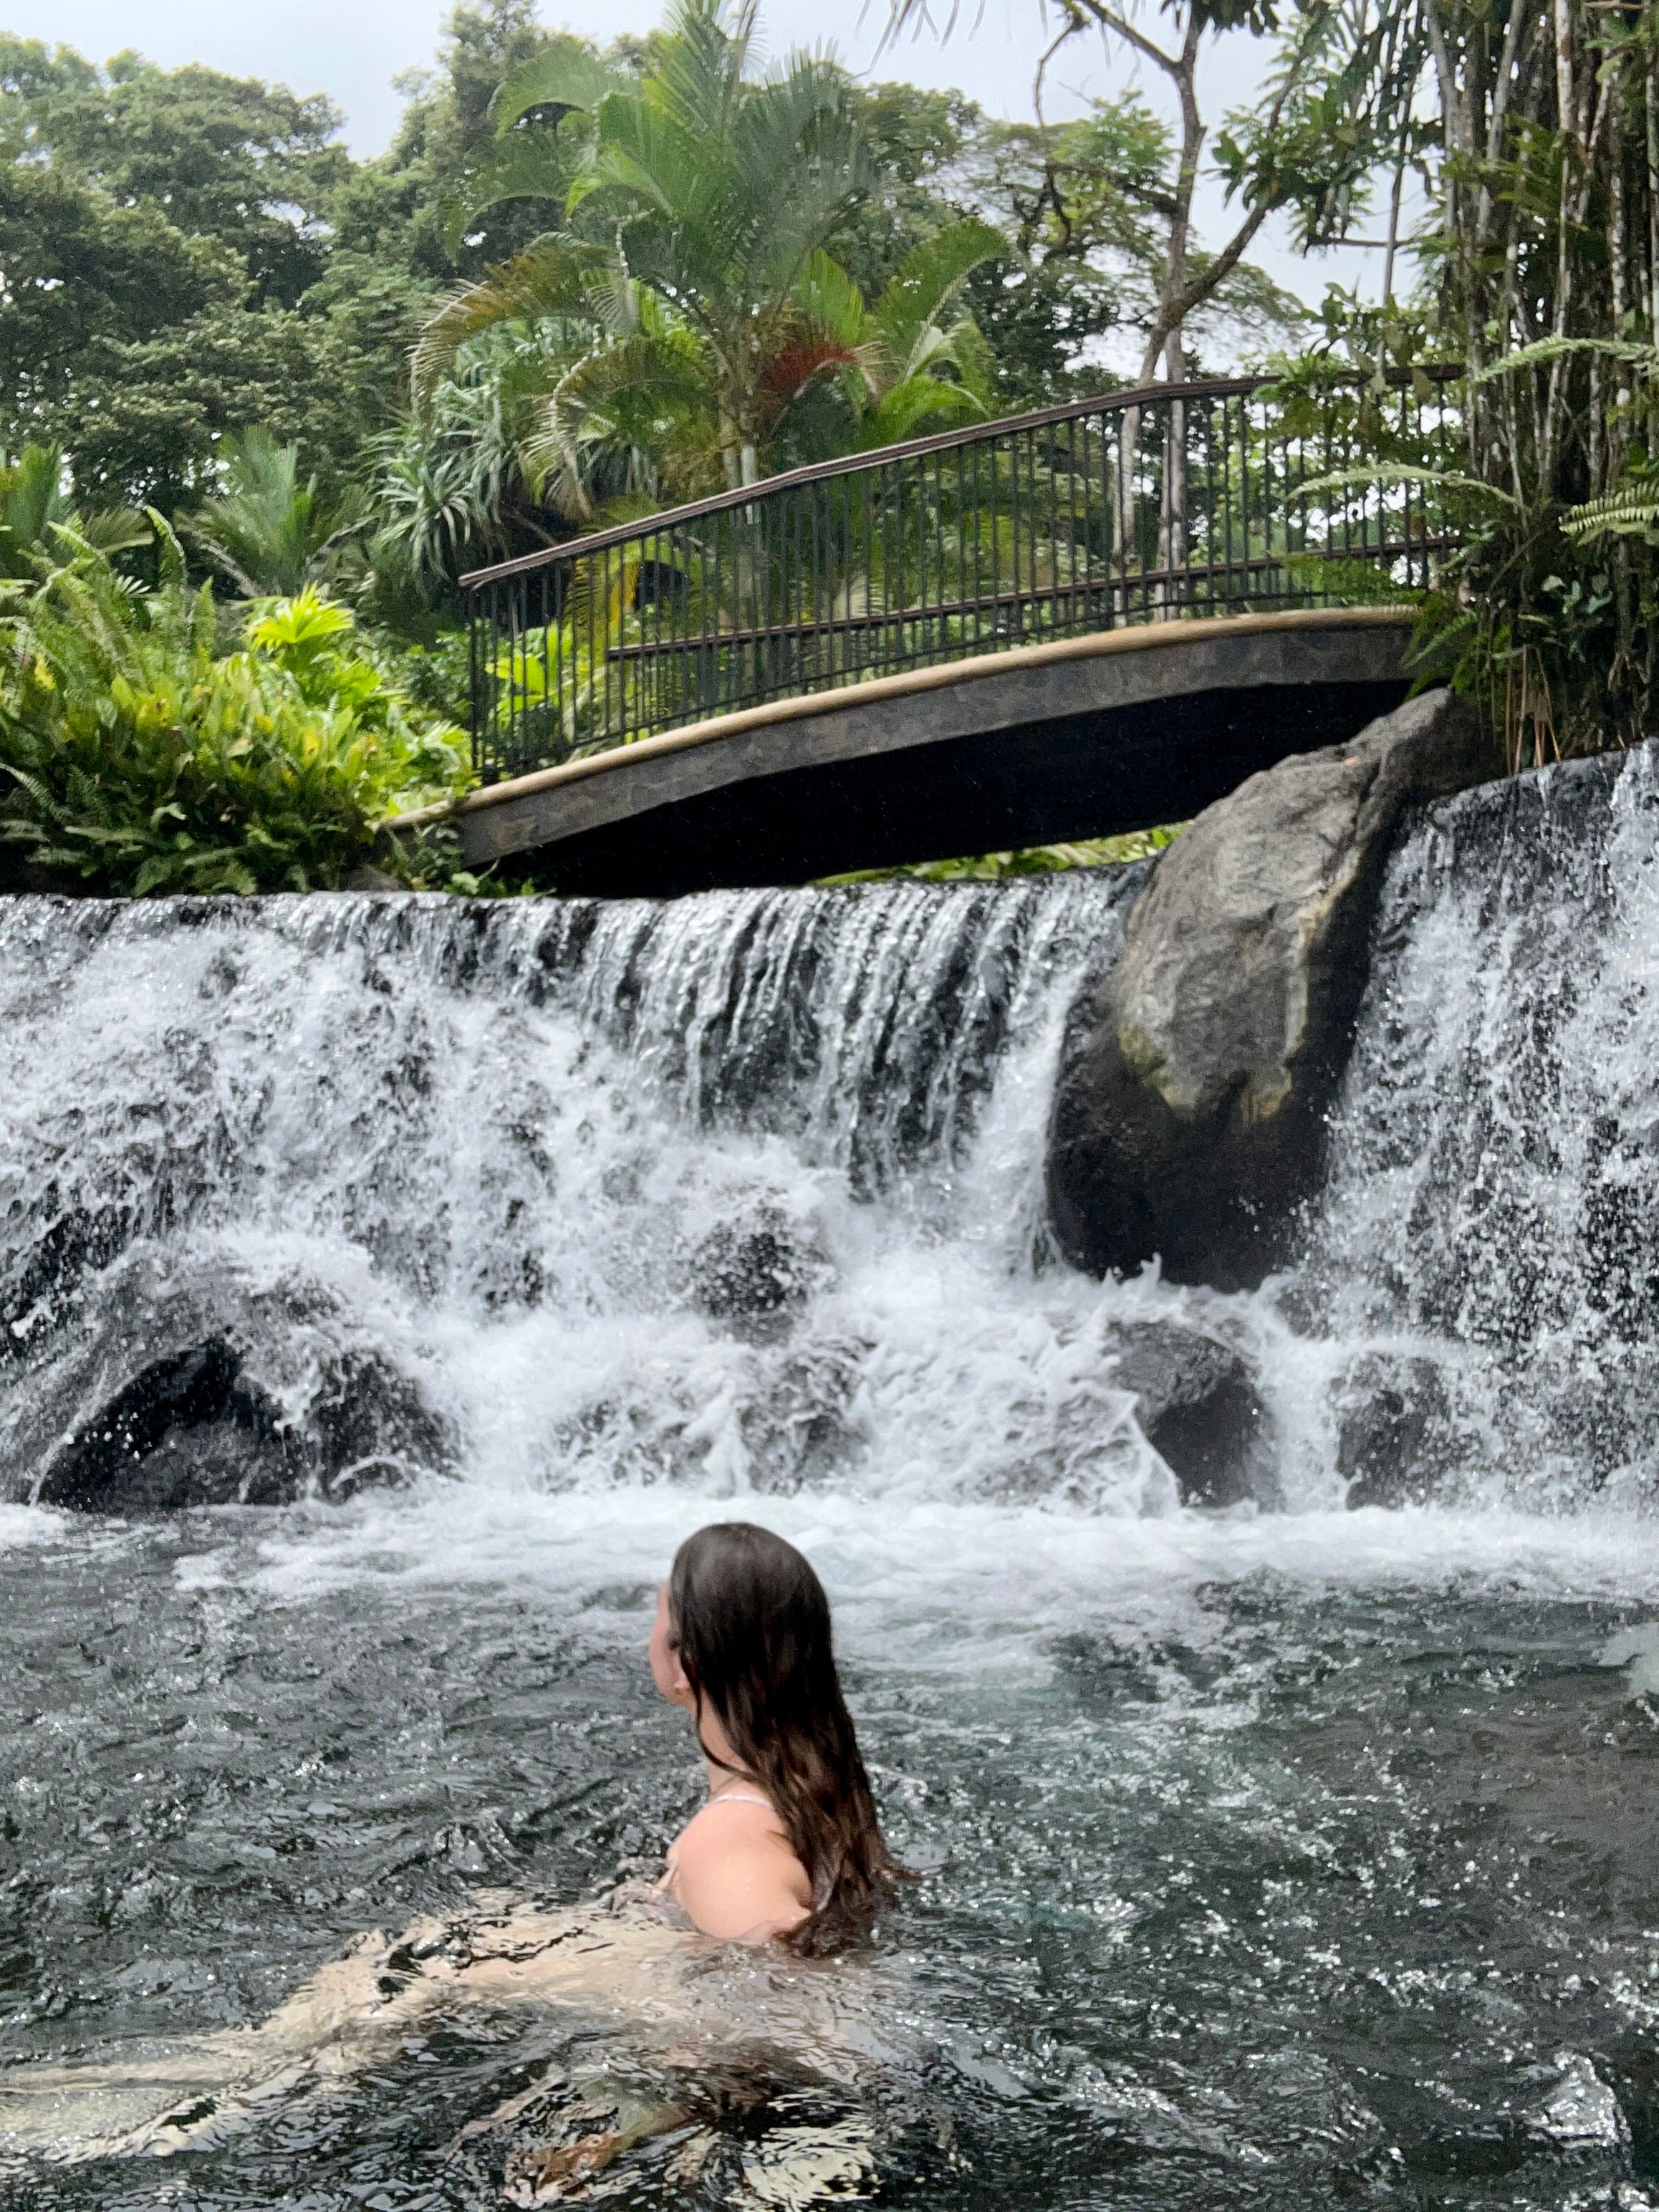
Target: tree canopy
point(584, 281)
point(188, 256)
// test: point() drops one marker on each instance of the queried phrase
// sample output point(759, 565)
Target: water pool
point(1268, 1872)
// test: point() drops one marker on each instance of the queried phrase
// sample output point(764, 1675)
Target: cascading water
point(745, 1193)
point(1488, 1220)
point(1274, 1854)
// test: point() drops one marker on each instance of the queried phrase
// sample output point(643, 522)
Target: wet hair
point(750, 1624)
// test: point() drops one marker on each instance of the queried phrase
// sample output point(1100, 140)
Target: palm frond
point(566, 74)
point(928, 277)
point(549, 278)
point(526, 164)
point(1546, 351)
point(1373, 473)
point(920, 399)
point(111, 530)
point(829, 300)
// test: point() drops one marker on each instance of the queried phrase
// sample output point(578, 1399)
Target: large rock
point(196, 1427)
point(1189, 1115)
point(755, 1268)
point(147, 1388)
point(188, 1429)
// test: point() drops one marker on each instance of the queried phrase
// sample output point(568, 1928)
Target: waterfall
point(744, 1193)
point(1488, 1226)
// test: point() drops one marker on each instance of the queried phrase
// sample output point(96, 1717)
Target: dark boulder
point(368, 1427)
point(1198, 1407)
point(758, 1270)
point(187, 1430)
point(1396, 1441)
point(1189, 1115)
point(194, 1427)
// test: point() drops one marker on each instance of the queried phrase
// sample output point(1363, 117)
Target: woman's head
point(744, 1638)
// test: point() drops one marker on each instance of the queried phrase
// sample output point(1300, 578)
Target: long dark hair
point(751, 1623)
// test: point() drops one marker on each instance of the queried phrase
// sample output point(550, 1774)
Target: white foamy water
point(1488, 1220)
point(741, 1195)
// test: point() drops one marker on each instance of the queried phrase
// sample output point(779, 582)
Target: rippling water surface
point(1253, 1873)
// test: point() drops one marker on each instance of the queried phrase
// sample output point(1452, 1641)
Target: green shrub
point(143, 757)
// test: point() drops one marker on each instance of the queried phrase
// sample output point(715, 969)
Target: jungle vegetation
point(263, 402)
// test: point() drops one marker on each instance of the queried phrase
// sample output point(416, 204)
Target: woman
point(788, 1844)
point(787, 1848)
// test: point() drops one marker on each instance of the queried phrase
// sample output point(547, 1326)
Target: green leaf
point(1630, 509)
point(1544, 351)
point(529, 165)
point(566, 75)
point(1368, 474)
point(929, 276)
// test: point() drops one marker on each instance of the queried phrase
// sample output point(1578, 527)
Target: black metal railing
point(1172, 501)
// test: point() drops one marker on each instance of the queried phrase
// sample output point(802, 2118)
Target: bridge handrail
point(940, 441)
point(807, 580)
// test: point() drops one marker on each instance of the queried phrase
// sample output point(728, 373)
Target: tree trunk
point(1164, 339)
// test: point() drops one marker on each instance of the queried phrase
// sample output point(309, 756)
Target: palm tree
point(888, 358)
point(270, 534)
point(704, 188)
point(37, 511)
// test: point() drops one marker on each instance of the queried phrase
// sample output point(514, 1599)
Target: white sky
point(352, 50)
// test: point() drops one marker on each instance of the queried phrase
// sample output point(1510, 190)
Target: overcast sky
point(353, 49)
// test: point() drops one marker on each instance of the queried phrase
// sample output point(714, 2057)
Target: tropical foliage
point(141, 753)
point(193, 258)
point(1532, 129)
point(687, 305)
point(583, 283)
point(268, 532)
point(1295, 149)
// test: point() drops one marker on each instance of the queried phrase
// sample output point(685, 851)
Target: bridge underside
point(1084, 738)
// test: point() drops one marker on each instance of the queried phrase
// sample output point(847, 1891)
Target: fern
point(1544, 352)
point(1369, 474)
point(1631, 509)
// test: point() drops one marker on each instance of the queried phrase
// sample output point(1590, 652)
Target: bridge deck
point(1082, 737)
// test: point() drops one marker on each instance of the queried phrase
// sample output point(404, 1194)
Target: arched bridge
point(1066, 624)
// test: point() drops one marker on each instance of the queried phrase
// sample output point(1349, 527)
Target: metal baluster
point(1054, 534)
point(1014, 546)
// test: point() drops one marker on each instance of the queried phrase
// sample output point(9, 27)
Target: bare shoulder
point(736, 1875)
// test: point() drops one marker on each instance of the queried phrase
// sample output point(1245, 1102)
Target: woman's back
point(789, 1844)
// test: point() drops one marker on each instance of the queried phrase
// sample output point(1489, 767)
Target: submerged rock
point(1395, 1440)
point(1188, 1118)
point(800, 1429)
point(1198, 1407)
point(243, 1411)
point(758, 1269)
